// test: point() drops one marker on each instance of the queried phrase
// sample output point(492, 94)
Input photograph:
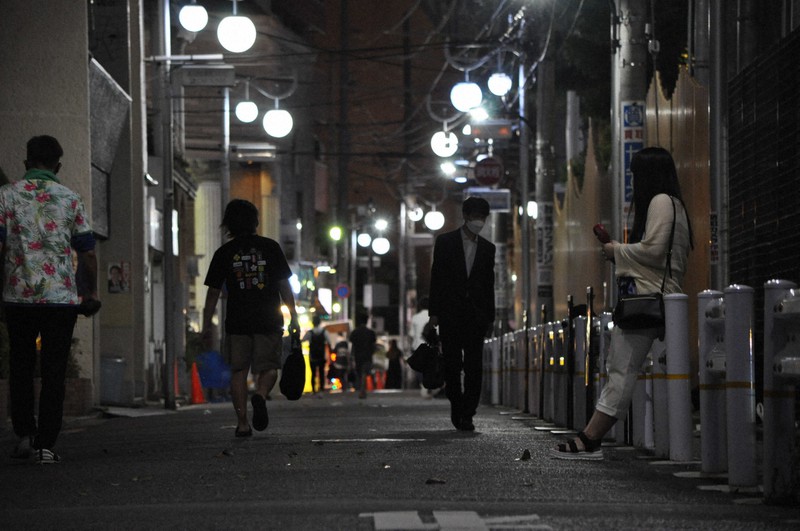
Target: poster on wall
point(633, 114)
point(118, 276)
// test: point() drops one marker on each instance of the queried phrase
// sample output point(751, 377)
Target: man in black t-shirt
point(255, 274)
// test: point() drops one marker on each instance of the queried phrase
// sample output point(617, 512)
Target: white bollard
point(711, 341)
point(660, 400)
point(617, 433)
point(533, 370)
point(679, 391)
point(740, 387)
point(781, 332)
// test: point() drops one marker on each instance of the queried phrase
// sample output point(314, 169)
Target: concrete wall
point(44, 90)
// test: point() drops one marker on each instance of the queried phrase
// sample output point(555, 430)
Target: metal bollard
point(560, 376)
point(679, 391)
point(641, 416)
point(781, 352)
point(660, 401)
point(522, 369)
point(534, 378)
point(508, 339)
point(579, 374)
point(711, 341)
point(495, 374)
point(549, 367)
point(740, 387)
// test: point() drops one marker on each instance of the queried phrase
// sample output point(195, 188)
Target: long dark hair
point(653, 173)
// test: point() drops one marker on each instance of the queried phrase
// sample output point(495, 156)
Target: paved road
point(391, 461)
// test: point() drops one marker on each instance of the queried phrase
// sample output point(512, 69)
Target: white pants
point(626, 355)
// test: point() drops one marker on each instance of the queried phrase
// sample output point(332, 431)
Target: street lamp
point(278, 122)
point(466, 95)
point(236, 33)
point(246, 110)
point(444, 143)
point(193, 17)
point(499, 83)
point(434, 220)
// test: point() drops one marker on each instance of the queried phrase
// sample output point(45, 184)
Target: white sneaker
point(46, 457)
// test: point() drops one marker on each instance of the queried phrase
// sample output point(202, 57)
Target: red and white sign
point(488, 171)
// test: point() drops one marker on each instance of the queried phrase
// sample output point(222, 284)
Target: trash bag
point(293, 374)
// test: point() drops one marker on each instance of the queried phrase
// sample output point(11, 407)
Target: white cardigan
point(645, 260)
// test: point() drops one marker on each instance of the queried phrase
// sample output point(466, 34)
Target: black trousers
point(317, 368)
point(462, 348)
point(55, 324)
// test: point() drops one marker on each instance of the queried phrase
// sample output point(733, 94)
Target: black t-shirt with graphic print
point(250, 268)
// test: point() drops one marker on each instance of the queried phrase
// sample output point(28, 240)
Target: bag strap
point(668, 266)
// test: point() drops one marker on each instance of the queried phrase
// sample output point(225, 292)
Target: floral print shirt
point(42, 223)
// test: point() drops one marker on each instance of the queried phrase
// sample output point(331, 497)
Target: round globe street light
point(364, 239)
point(444, 144)
point(380, 245)
point(434, 220)
point(415, 214)
point(499, 83)
point(193, 17)
point(278, 123)
point(335, 233)
point(465, 96)
point(246, 111)
point(236, 34)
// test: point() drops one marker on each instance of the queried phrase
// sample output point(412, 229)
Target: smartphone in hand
point(601, 233)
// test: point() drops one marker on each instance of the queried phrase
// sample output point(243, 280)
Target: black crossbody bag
point(636, 312)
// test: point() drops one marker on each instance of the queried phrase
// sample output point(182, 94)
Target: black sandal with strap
point(569, 450)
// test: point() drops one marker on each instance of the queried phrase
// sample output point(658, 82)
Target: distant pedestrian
point(41, 223)
point(421, 331)
point(318, 344)
point(394, 374)
point(363, 341)
point(255, 273)
point(640, 267)
point(462, 305)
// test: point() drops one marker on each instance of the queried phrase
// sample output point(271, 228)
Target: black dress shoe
point(466, 425)
point(456, 420)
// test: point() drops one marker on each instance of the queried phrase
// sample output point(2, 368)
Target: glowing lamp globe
point(499, 84)
point(364, 239)
point(193, 17)
point(380, 245)
point(236, 33)
point(444, 144)
point(246, 111)
point(465, 96)
point(434, 220)
point(415, 214)
point(278, 123)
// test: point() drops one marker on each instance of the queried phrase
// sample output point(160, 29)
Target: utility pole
point(629, 92)
point(170, 299)
point(545, 177)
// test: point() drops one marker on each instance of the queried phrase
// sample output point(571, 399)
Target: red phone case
point(601, 233)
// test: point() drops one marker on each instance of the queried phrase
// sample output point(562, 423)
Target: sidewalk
point(392, 461)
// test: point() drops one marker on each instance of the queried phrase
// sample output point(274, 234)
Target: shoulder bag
point(636, 312)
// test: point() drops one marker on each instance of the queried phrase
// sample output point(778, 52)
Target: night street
point(337, 462)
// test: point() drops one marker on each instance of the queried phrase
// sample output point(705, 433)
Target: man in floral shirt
point(42, 226)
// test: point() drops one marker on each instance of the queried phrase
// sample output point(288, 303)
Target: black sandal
point(569, 450)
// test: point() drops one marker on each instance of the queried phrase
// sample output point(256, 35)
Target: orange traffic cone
point(197, 387)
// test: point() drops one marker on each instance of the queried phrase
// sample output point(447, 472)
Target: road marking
point(453, 521)
point(379, 439)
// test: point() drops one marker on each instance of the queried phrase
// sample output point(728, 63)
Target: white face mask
point(475, 225)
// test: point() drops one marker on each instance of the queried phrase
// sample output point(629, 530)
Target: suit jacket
point(455, 298)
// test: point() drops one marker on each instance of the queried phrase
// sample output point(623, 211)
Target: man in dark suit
point(462, 305)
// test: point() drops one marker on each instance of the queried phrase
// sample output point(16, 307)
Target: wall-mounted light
point(434, 220)
point(278, 122)
point(444, 143)
point(380, 245)
point(466, 96)
point(499, 83)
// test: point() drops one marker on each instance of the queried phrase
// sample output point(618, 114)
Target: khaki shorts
point(257, 352)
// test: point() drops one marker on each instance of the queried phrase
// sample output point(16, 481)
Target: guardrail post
point(549, 371)
point(534, 377)
point(495, 364)
point(713, 416)
point(560, 376)
point(579, 373)
point(740, 389)
point(679, 393)
point(641, 416)
point(781, 349)
point(617, 433)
